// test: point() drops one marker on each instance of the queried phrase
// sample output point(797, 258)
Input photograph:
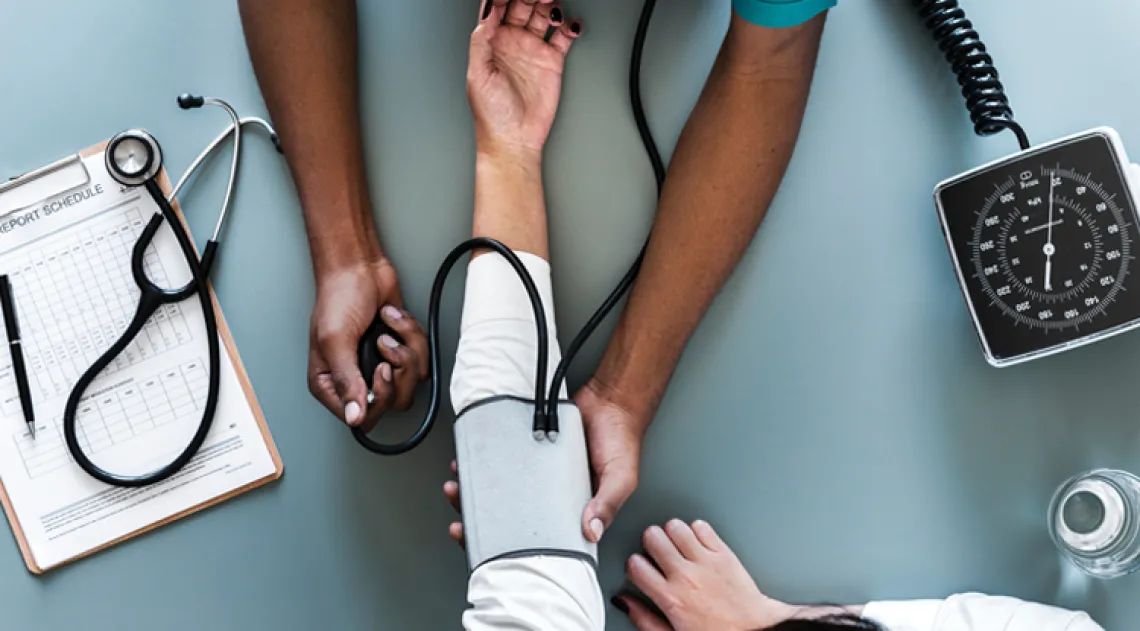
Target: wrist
point(338, 253)
point(815, 612)
point(628, 377)
point(331, 259)
point(638, 409)
point(508, 157)
point(342, 237)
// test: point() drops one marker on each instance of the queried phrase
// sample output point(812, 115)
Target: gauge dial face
point(1045, 247)
point(1051, 249)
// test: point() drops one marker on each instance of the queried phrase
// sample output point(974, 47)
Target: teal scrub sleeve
point(780, 13)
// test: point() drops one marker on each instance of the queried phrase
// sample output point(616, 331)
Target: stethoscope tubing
point(435, 398)
point(149, 301)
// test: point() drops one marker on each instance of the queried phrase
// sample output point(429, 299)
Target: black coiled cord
point(960, 43)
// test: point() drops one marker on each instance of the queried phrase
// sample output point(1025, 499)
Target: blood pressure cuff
point(780, 13)
point(521, 497)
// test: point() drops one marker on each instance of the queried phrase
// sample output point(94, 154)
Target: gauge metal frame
point(1130, 176)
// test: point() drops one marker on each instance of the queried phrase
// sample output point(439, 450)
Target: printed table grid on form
point(75, 295)
point(123, 413)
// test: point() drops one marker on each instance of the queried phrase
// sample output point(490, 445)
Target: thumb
point(347, 380)
point(642, 618)
point(491, 14)
point(617, 480)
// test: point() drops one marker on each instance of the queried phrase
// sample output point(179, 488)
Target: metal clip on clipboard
point(27, 190)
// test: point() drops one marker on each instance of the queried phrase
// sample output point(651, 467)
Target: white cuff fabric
point(498, 346)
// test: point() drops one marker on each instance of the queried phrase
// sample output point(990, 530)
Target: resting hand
point(514, 78)
point(347, 302)
point(451, 492)
point(698, 583)
point(613, 441)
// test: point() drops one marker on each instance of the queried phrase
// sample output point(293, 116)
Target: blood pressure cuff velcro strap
point(521, 497)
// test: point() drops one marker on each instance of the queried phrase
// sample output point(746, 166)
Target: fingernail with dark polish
point(620, 605)
point(575, 28)
point(487, 6)
point(556, 15)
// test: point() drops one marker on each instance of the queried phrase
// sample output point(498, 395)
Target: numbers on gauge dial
point(1051, 248)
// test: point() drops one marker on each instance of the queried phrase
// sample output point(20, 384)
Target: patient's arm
point(514, 84)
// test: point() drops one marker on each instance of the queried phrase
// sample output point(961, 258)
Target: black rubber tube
point(149, 302)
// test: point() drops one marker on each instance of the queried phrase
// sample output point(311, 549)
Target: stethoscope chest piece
point(133, 157)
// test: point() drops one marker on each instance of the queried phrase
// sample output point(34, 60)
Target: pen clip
point(15, 320)
point(8, 304)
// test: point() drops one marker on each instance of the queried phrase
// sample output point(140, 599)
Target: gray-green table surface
point(833, 415)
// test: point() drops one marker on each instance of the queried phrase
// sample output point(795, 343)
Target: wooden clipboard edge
point(251, 399)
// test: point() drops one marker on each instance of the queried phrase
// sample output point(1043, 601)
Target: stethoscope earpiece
point(190, 101)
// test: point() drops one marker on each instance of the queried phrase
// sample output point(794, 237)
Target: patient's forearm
point(304, 53)
point(509, 204)
point(725, 171)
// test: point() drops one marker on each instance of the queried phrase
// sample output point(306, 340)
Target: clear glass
point(1094, 519)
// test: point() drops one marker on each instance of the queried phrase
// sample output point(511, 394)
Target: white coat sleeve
point(976, 612)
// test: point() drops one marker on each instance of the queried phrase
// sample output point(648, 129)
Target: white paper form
point(69, 262)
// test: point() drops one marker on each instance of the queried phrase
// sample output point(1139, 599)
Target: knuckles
point(326, 336)
point(314, 385)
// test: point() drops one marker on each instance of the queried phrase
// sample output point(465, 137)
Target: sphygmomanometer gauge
point(1044, 243)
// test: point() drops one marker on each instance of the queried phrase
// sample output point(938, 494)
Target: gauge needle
point(1049, 250)
point(1045, 225)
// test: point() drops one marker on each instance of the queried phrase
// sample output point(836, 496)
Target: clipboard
point(51, 181)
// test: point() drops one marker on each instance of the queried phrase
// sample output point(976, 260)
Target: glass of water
point(1094, 518)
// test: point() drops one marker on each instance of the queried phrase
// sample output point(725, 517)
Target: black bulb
point(189, 101)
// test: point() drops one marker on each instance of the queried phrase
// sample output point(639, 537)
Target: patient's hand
point(514, 77)
point(697, 582)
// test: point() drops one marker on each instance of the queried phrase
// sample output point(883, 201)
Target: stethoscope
point(134, 158)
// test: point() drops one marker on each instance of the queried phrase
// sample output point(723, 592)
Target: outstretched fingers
point(565, 35)
point(519, 11)
point(543, 17)
point(491, 14)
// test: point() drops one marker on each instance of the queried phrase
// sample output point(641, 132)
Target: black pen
point(12, 327)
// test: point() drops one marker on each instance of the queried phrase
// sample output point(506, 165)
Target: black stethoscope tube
point(434, 400)
point(151, 299)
